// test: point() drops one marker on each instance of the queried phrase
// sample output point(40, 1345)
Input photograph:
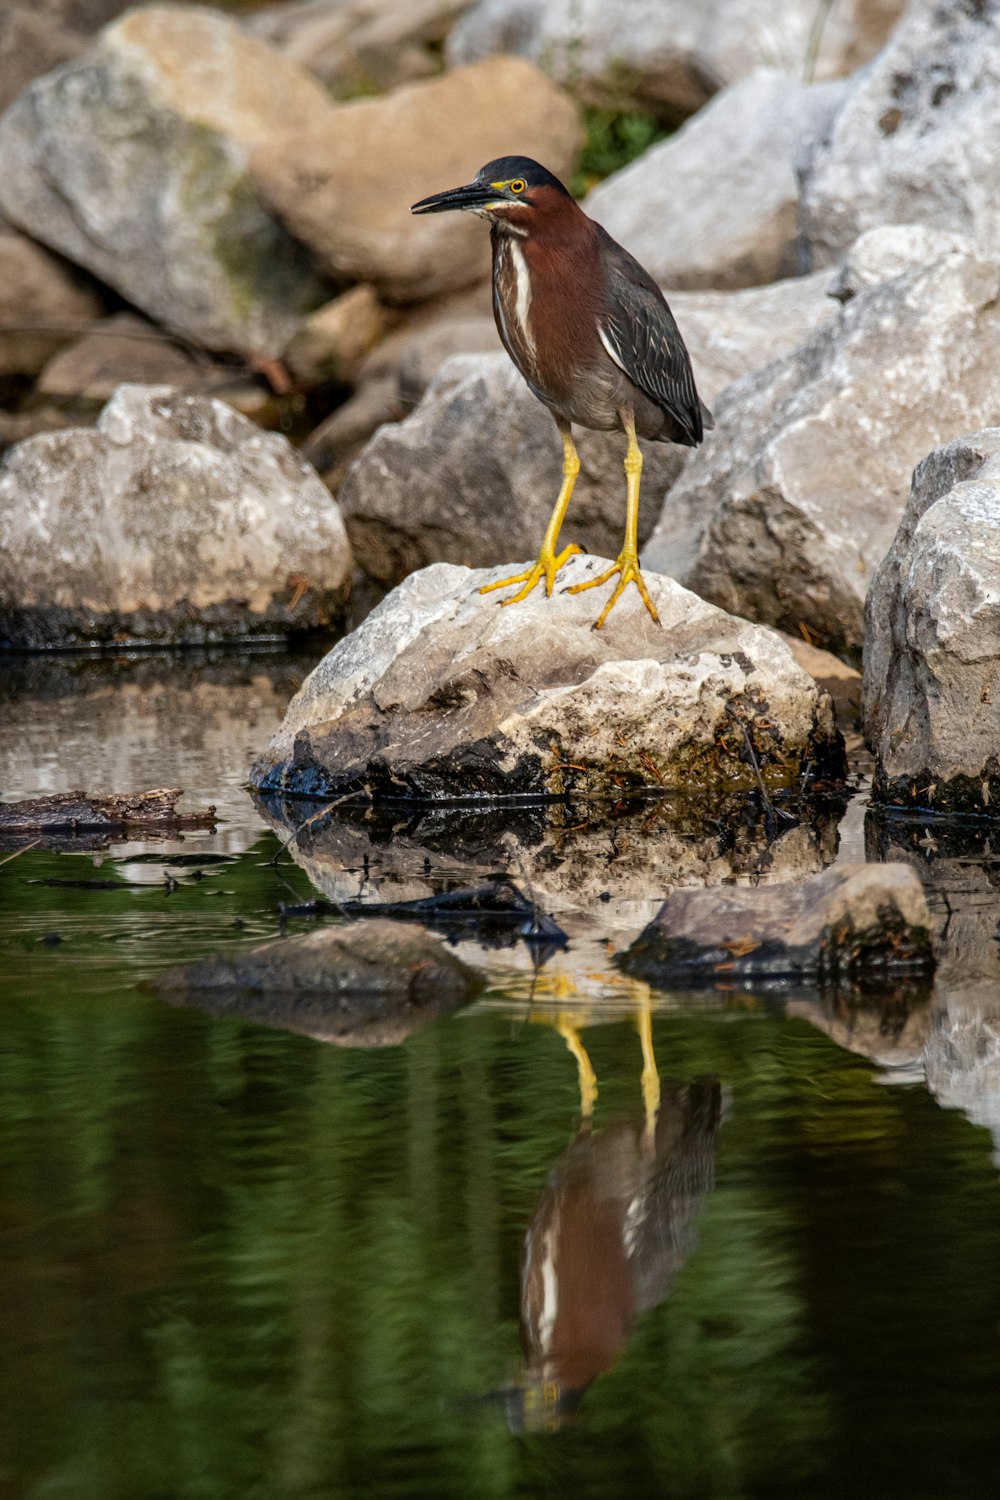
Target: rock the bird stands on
point(592, 335)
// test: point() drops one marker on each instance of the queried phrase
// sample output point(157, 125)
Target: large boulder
point(44, 304)
point(345, 187)
point(914, 139)
point(131, 161)
point(175, 519)
point(932, 642)
point(669, 56)
point(441, 693)
point(738, 224)
point(786, 511)
point(473, 472)
point(359, 46)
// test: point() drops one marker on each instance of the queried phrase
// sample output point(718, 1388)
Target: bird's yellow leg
point(627, 565)
point(566, 1027)
point(549, 562)
point(650, 1077)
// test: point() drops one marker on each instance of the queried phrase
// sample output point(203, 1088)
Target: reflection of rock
point(962, 1059)
point(175, 520)
point(131, 160)
point(367, 985)
point(932, 642)
point(789, 506)
point(888, 1023)
point(739, 224)
point(441, 693)
point(612, 1229)
point(848, 922)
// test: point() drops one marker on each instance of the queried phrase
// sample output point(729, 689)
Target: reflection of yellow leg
point(627, 565)
point(566, 1028)
point(650, 1077)
point(548, 563)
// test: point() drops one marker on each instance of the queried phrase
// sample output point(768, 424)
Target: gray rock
point(121, 350)
point(790, 505)
point(131, 161)
point(29, 45)
point(848, 922)
point(44, 304)
point(175, 519)
point(737, 224)
point(441, 693)
point(913, 142)
point(472, 476)
point(359, 46)
point(669, 56)
point(888, 251)
point(366, 985)
point(932, 643)
point(355, 216)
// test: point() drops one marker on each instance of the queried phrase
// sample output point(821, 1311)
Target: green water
point(235, 1261)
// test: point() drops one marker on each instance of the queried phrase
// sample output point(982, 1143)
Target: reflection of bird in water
point(612, 1229)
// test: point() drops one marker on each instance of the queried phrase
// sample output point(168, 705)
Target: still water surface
point(236, 1261)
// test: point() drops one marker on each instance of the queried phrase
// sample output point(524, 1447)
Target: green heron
point(592, 335)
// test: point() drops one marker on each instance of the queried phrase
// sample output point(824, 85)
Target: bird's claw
point(627, 566)
point(546, 567)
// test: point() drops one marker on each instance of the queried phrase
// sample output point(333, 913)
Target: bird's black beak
point(473, 195)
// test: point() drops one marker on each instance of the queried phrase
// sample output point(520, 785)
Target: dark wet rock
point(671, 56)
point(359, 46)
point(495, 913)
point(440, 693)
point(932, 645)
point(913, 141)
point(121, 350)
point(355, 217)
point(174, 520)
point(790, 505)
point(134, 813)
point(44, 303)
point(131, 161)
point(849, 921)
point(738, 224)
point(369, 984)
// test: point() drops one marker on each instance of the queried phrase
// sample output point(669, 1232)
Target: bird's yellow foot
point(628, 568)
point(546, 567)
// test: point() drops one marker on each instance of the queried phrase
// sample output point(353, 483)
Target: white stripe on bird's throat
point(522, 295)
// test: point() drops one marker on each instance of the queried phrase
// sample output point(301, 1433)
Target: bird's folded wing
point(639, 333)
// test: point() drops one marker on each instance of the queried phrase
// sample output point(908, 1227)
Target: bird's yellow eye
point(518, 185)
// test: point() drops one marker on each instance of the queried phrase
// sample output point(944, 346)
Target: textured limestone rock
point(43, 304)
point(932, 642)
point(670, 56)
point(913, 141)
point(737, 224)
point(355, 218)
point(786, 511)
point(175, 519)
point(367, 985)
point(846, 922)
point(441, 693)
point(359, 46)
point(888, 251)
point(131, 161)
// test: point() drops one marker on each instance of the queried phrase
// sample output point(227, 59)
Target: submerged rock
point(932, 646)
point(131, 161)
point(849, 921)
point(440, 693)
point(173, 520)
point(790, 505)
point(739, 222)
point(344, 187)
point(364, 985)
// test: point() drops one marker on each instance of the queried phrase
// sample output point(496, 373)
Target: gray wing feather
point(639, 332)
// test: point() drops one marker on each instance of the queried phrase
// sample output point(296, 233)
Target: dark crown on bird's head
point(520, 169)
